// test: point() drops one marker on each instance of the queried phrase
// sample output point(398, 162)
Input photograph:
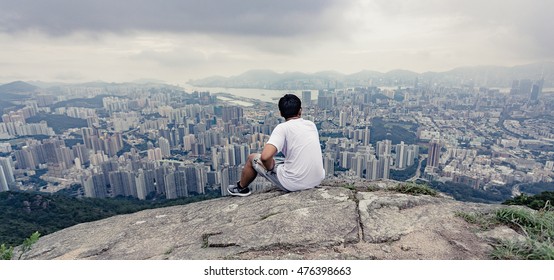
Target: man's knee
point(250, 159)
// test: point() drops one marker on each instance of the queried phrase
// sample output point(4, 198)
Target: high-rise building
point(164, 147)
point(525, 87)
point(25, 158)
point(306, 98)
point(94, 185)
point(536, 90)
point(359, 164)
point(329, 165)
point(87, 134)
point(434, 154)
point(140, 184)
point(170, 188)
point(155, 154)
point(384, 147)
point(81, 152)
point(401, 155)
point(366, 136)
point(372, 168)
point(325, 100)
point(7, 165)
point(342, 118)
point(3, 182)
point(534, 93)
point(384, 166)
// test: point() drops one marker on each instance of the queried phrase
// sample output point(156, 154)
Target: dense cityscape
point(160, 141)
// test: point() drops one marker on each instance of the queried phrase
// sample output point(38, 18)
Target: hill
point(489, 76)
point(16, 91)
point(94, 102)
point(59, 123)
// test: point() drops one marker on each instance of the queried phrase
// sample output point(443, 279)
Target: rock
point(321, 223)
point(502, 233)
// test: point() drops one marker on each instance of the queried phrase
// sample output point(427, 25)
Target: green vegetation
point(8, 106)
point(464, 192)
point(394, 131)
point(95, 102)
point(414, 189)
point(35, 180)
point(537, 202)
point(59, 123)
point(537, 226)
point(72, 142)
point(6, 253)
point(24, 213)
point(484, 221)
point(349, 186)
point(403, 175)
point(536, 188)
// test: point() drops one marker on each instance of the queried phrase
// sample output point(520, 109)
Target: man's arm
point(267, 156)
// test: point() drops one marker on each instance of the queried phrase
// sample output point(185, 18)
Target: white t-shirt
point(298, 140)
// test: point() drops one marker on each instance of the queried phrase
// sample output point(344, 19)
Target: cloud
point(239, 17)
point(522, 26)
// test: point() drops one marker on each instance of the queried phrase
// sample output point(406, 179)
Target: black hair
point(289, 105)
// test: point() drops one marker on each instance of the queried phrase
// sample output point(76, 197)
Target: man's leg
point(270, 175)
point(247, 175)
point(248, 172)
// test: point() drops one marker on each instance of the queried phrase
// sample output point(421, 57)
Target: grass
point(484, 221)
point(414, 189)
point(537, 226)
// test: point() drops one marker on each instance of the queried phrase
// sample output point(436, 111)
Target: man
point(298, 140)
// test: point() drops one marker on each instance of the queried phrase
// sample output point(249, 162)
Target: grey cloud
point(528, 21)
point(243, 17)
point(182, 57)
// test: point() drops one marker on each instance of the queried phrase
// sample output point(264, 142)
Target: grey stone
point(321, 223)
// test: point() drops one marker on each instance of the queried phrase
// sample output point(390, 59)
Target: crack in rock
point(206, 242)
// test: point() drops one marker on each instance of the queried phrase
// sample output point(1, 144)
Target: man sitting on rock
point(298, 140)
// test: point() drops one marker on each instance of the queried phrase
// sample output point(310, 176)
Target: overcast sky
point(178, 40)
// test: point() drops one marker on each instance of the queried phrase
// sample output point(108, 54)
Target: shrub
point(414, 189)
point(6, 253)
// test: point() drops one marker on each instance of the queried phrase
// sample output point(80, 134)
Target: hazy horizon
point(176, 41)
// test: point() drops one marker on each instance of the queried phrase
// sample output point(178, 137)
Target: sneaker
point(236, 191)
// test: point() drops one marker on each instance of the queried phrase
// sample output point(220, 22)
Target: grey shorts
point(269, 175)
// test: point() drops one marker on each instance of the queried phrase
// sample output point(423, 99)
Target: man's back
point(298, 140)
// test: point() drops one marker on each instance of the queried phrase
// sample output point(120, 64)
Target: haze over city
point(174, 41)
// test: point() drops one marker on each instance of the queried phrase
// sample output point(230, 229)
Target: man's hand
point(267, 156)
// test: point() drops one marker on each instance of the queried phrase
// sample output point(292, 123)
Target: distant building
point(536, 90)
point(525, 86)
point(7, 165)
point(164, 147)
point(3, 182)
point(434, 154)
point(306, 98)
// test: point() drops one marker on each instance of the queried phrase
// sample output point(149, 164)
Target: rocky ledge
point(322, 223)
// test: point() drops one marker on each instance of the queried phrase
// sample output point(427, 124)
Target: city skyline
point(70, 42)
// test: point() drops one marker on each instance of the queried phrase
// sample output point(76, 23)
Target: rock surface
point(322, 223)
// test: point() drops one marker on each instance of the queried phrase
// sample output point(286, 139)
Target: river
point(266, 95)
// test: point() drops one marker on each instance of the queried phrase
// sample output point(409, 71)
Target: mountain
point(16, 90)
point(358, 221)
point(488, 76)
